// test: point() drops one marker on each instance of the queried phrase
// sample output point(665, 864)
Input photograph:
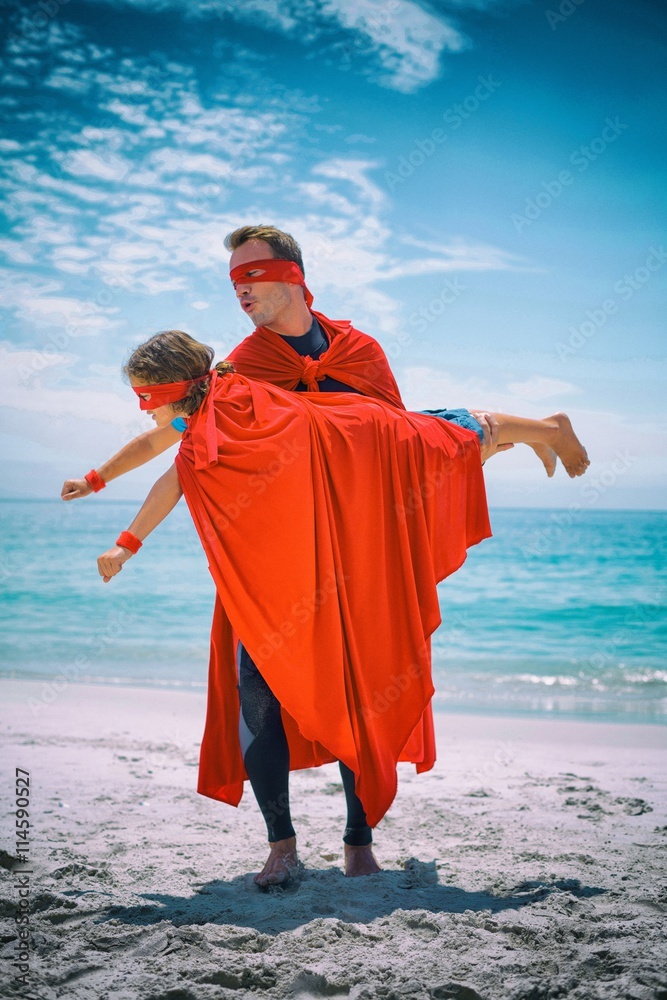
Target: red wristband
point(129, 541)
point(95, 481)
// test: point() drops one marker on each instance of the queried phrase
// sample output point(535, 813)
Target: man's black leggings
point(266, 758)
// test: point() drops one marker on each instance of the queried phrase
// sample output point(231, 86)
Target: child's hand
point(75, 488)
point(111, 563)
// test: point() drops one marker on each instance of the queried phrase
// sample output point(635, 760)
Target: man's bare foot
point(567, 445)
point(360, 861)
point(281, 864)
point(547, 457)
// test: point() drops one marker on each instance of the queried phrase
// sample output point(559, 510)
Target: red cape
point(327, 521)
point(352, 357)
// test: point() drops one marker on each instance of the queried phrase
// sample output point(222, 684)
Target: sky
point(477, 183)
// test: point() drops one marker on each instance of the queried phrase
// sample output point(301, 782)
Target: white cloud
point(64, 187)
point(459, 255)
point(172, 161)
point(18, 365)
point(487, 5)
point(72, 259)
point(409, 39)
point(538, 387)
point(133, 114)
point(66, 79)
point(72, 253)
point(434, 265)
point(137, 252)
point(35, 302)
point(51, 231)
point(130, 278)
point(21, 389)
point(406, 39)
point(78, 317)
point(428, 386)
point(14, 80)
point(321, 195)
point(354, 172)
point(15, 251)
point(103, 166)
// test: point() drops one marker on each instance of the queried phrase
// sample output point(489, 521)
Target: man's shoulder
point(343, 328)
point(256, 335)
point(339, 326)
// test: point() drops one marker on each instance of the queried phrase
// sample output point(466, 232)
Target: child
point(551, 439)
point(300, 503)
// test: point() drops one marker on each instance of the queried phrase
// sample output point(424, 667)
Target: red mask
point(165, 392)
point(272, 270)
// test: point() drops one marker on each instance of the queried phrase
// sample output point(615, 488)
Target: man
point(282, 308)
point(298, 349)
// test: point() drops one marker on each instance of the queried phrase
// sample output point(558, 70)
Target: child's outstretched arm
point(137, 452)
point(160, 501)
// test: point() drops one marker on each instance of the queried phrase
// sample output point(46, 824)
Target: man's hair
point(284, 246)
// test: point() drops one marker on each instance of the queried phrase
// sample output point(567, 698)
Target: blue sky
point(476, 183)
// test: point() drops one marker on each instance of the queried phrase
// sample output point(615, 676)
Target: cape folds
point(327, 520)
point(352, 357)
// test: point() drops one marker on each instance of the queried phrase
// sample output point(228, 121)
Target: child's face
point(162, 415)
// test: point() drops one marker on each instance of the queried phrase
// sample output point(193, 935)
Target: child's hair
point(174, 356)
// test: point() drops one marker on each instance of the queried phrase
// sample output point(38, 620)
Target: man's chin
point(257, 316)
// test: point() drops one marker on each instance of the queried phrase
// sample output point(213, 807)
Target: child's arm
point(139, 451)
point(160, 501)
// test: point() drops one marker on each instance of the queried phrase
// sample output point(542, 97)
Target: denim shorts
point(461, 417)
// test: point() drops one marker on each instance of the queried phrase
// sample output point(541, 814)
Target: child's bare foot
point(547, 456)
point(567, 446)
point(282, 864)
point(360, 861)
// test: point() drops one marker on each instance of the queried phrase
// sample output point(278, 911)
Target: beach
point(528, 864)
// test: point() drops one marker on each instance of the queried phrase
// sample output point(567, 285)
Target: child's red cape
point(327, 521)
point(352, 357)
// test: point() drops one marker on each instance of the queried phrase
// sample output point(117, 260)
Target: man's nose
point(242, 288)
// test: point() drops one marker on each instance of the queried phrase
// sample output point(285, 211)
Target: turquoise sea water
point(560, 613)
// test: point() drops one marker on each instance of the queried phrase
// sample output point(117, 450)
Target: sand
point(528, 864)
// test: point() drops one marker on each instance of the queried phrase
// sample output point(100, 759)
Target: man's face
point(263, 301)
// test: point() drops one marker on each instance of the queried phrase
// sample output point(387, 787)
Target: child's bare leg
point(549, 438)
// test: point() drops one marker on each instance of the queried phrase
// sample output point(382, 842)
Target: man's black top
point(313, 344)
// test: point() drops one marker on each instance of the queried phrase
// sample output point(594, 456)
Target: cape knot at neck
point(311, 374)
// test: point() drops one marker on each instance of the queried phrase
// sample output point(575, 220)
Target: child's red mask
point(165, 392)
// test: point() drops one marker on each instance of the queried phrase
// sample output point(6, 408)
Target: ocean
point(559, 614)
